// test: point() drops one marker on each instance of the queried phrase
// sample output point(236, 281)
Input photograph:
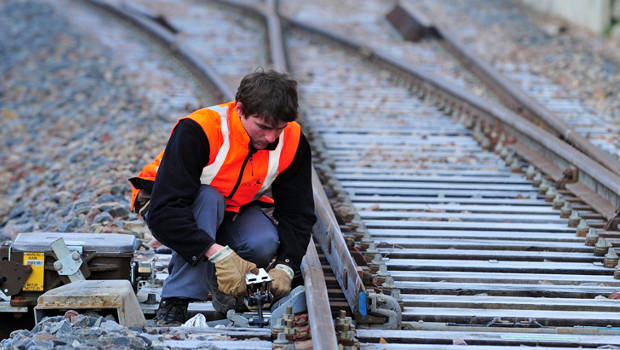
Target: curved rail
point(404, 18)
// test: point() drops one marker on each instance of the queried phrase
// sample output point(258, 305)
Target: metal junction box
point(105, 256)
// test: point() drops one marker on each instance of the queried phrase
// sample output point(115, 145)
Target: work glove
point(281, 276)
point(230, 270)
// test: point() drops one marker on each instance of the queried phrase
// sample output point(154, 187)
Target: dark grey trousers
point(251, 234)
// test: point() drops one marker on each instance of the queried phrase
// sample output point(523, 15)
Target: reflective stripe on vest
point(209, 172)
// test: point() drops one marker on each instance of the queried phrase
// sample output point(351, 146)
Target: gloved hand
point(230, 270)
point(282, 277)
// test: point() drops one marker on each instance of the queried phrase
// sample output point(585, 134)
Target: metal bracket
point(68, 263)
point(613, 223)
point(258, 295)
point(296, 300)
point(236, 320)
point(570, 175)
point(380, 307)
point(13, 276)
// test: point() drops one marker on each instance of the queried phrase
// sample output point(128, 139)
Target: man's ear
point(239, 108)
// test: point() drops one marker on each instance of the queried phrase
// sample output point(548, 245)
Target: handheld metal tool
point(258, 296)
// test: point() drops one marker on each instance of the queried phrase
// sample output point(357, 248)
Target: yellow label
point(34, 283)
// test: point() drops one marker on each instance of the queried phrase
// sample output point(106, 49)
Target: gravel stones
point(82, 110)
point(75, 330)
point(89, 331)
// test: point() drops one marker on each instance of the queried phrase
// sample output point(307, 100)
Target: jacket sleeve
point(176, 186)
point(294, 207)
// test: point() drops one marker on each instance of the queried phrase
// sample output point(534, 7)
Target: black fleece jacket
point(177, 184)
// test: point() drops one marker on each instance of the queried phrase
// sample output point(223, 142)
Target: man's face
point(260, 131)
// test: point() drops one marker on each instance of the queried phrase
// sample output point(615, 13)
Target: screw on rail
point(601, 247)
point(566, 210)
point(582, 228)
point(574, 219)
point(530, 172)
point(550, 194)
point(617, 272)
point(499, 147)
point(544, 186)
point(558, 202)
point(537, 180)
point(611, 258)
point(591, 237)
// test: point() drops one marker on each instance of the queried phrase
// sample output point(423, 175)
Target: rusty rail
point(412, 25)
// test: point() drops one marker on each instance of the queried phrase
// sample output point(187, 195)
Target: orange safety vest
point(228, 150)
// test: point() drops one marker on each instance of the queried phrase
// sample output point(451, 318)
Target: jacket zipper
point(245, 162)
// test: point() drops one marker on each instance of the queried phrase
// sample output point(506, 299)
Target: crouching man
point(202, 197)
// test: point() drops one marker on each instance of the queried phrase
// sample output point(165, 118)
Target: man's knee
point(208, 209)
point(262, 247)
point(207, 196)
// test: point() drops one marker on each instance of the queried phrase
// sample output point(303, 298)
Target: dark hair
point(270, 95)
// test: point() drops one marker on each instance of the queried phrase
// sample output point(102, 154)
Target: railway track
point(440, 233)
point(437, 49)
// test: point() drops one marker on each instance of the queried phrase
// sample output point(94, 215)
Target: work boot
point(172, 312)
point(224, 302)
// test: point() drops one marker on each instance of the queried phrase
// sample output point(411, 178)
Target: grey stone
point(98, 322)
point(103, 217)
point(94, 332)
point(117, 189)
point(18, 211)
point(22, 342)
point(64, 329)
point(43, 344)
point(78, 156)
point(59, 342)
point(104, 198)
point(82, 207)
point(119, 212)
point(47, 323)
point(27, 227)
point(111, 326)
point(20, 333)
point(146, 340)
point(4, 237)
point(70, 225)
point(83, 321)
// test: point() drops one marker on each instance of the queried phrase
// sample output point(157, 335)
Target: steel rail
point(319, 312)
point(324, 335)
point(406, 19)
point(596, 185)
